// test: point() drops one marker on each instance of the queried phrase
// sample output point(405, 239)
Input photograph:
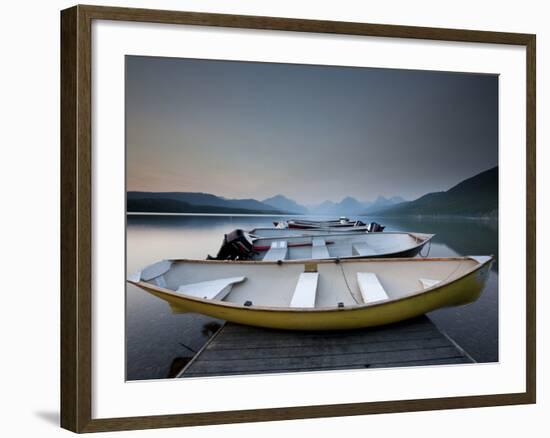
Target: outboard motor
point(236, 245)
point(375, 227)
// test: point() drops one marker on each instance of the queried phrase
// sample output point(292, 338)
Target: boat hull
point(311, 224)
point(408, 253)
point(299, 246)
point(308, 226)
point(461, 291)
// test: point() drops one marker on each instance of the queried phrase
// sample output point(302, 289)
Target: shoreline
point(150, 213)
point(417, 217)
point(443, 217)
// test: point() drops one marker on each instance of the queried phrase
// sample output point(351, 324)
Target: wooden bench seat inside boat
point(371, 288)
point(278, 251)
point(319, 249)
point(211, 290)
point(363, 249)
point(306, 290)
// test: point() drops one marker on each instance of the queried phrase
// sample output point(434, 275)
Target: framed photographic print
point(305, 218)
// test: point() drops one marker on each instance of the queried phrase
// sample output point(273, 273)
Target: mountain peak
point(278, 197)
point(284, 203)
point(348, 206)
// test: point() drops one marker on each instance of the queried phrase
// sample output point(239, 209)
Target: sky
point(312, 133)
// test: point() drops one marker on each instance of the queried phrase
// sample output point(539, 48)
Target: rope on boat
point(347, 284)
point(429, 248)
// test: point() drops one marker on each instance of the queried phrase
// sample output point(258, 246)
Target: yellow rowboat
point(320, 295)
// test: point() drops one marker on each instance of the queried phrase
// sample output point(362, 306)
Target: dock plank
point(323, 349)
point(238, 349)
point(300, 338)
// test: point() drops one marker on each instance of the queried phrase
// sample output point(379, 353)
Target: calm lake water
point(159, 343)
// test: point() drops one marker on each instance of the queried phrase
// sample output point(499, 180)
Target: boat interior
point(335, 245)
point(323, 284)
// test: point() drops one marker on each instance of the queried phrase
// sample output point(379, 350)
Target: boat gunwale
point(328, 230)
point(355, 234)
point(420, 245)
point(357, 307)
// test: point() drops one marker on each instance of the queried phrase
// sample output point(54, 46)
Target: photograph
point(292, 218)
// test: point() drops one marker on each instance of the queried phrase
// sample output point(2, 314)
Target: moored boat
point(296, 232)
point(373, 227)
point(240, 245)
point(323, 295)
point(343, 222)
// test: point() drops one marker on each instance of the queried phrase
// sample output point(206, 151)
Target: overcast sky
point(312, 133)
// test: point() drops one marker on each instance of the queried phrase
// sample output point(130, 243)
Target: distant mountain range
point(191, 202)
point(476, 196)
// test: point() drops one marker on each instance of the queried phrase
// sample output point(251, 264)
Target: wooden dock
point(237, 349)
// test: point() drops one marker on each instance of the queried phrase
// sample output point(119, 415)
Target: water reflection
point(159, 342)
point(210, 328)
point(462, 237)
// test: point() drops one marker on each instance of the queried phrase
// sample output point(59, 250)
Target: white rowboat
point(239, 245)
point(343, 222)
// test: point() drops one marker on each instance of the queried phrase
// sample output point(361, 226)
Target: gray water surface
point(159, 343)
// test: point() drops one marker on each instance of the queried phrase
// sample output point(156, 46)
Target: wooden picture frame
point(76, 217)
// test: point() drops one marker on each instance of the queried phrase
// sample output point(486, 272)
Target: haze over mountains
point(283, 203)
point(348, 205)
point(475, 196)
